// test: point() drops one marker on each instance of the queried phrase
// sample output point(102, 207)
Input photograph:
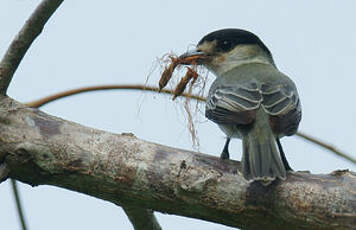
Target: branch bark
point(71, 92)
point(42, 149)
point(17, 50)
point(22, 42)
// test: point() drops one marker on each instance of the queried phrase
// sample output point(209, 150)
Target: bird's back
point(235, 96)
point(254, 73)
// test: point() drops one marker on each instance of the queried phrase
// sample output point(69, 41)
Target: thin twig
point(18, 204)
point(326, 146)
point(45, 100)
point(71, 92)
point(23, 40)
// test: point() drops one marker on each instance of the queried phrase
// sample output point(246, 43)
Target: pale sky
point(112, 42)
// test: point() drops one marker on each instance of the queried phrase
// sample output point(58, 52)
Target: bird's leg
point(225, 153)
point(283, 156)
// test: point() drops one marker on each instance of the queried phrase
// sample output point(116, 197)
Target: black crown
point(227, 39)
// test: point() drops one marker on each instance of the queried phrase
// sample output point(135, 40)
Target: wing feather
point(238, 105)
point(228, 105)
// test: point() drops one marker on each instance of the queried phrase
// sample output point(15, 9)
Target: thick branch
point(4, 171)
point(17, 50)
point(141, 219)
point(23, 41)
point(42, 149)
point(71, 92)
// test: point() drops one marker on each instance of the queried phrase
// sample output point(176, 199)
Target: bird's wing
point(278, 99)
point(233, 105)
point(282, 103)
point(238, 105)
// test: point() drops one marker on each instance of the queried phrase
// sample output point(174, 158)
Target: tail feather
point(261, 159)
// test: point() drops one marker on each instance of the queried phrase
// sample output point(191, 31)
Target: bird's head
point(226, 49)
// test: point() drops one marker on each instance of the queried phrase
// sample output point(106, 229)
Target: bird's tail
point(261, 159)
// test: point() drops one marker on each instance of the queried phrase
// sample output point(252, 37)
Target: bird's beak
point(194, 56)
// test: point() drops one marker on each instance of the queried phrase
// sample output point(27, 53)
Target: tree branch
point(42, 149)
point(19, 46)
point(17, 50)
point(71, 92)
point(326, 146)
point(141, 218)
point(4, 171)
point(18, 204)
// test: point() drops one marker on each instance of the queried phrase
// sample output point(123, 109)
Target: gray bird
point(250, 100)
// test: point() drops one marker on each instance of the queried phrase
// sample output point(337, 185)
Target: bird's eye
point(225, 45)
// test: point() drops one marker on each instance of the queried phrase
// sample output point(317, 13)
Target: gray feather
point(234, 96)
point(261, 158)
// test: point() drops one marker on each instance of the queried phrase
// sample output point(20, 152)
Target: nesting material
point(194, 78)
point(167, 73)
point(190, 74)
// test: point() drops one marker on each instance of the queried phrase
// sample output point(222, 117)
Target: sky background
point(115, 42)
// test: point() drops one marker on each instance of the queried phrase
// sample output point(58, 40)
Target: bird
point(250, 99)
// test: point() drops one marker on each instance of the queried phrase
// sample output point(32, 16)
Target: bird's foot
point(225, 155)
